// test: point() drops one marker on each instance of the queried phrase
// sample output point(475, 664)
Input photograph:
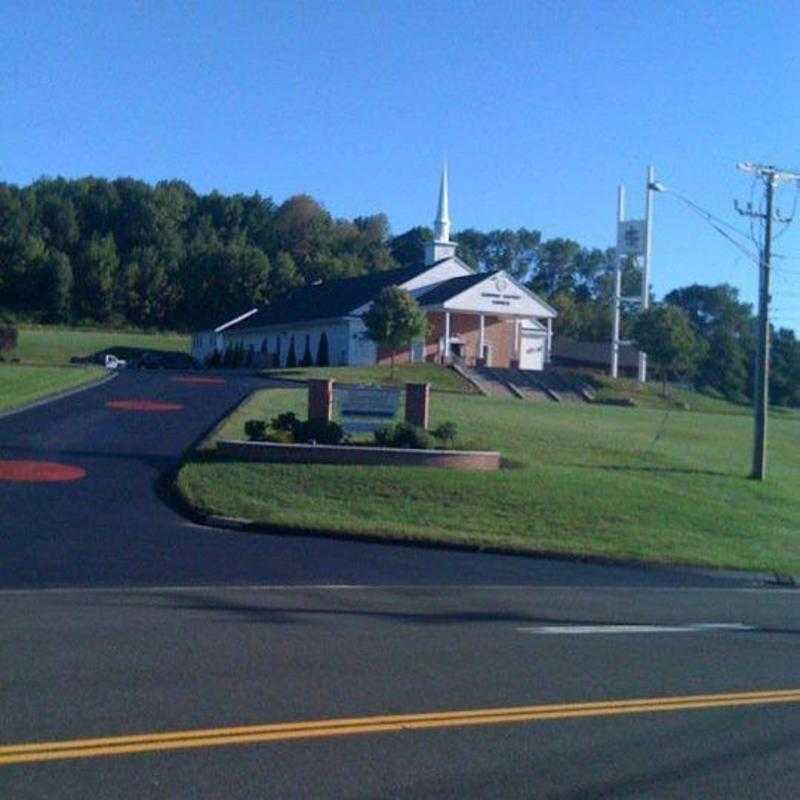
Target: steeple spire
point(441, 226)
point(441, 248)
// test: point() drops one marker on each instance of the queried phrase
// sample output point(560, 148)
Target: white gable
point(424, 281)
point(452, 268)
point(500, 294)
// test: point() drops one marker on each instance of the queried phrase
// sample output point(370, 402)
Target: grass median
point(579, 480)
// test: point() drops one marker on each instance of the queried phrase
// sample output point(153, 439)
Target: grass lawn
point(614, 482)
point(441, 378)
point(55, 346)
point(21, 384)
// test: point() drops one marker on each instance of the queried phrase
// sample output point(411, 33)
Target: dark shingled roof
point(450, 288)
point(331, 299)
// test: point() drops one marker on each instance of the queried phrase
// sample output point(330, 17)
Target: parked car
point(150, 361)
point(112, 362)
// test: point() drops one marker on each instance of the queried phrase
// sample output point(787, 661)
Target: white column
point(648, 230)
point(482, 337)
point(446, 336)
point(548, 352)
point(515, 349)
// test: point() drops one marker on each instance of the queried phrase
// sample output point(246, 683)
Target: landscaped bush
point(404, 435)
point(446, 433)
point(322, 432)
point(312, 430)
point(288, 422)
point(256, 430)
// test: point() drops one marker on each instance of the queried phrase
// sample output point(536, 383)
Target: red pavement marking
point(142, 405)
point(39, 471)
point(209, 381)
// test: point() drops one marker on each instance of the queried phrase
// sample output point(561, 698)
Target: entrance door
point(531, 351)
point(486, 355)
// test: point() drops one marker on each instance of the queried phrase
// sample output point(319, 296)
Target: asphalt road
point(120, 618)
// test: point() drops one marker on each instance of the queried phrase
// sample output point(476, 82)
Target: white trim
point(234, 321)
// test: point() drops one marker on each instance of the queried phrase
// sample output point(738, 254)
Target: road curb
point(754, 579)
point(53, 396)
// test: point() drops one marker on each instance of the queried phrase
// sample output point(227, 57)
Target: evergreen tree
point(323, 357)
point(307, 360)
point(291, 357)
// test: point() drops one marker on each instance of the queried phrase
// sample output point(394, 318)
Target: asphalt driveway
point(111, 528)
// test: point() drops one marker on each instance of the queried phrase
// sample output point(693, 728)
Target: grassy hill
point(580, 479)
point(22, 384)
point(55, 346)
point(39, 365)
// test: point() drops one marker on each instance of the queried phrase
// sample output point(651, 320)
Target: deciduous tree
point(664, 333)
point(394, 319)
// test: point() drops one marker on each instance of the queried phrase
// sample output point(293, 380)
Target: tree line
point(124, 252)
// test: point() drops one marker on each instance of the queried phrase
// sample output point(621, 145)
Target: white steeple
point(441, 247)
point(441, 225)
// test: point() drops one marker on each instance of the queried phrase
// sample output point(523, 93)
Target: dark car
point(150, 361)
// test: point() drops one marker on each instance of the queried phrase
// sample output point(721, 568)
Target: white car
point(112, 362)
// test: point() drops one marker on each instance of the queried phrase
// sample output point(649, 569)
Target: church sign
point(363, 409)
point(630, 237)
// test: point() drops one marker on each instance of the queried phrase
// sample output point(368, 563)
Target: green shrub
point(384, 436)
point(446, 433)
point(410, 436)
point(306, 431)
point(287, 421)
point(322, 432)
point(256, 430)
point(404, 435)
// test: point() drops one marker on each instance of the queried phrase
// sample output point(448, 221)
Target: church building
point(476, 319)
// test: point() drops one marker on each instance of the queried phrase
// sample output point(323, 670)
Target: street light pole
point(617, 310)
point(651, 187)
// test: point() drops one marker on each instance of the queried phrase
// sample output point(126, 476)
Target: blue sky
point(541, 108)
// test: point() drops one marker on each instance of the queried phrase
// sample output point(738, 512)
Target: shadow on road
point(259, 613)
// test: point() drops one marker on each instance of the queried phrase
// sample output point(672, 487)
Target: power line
point(716, 224)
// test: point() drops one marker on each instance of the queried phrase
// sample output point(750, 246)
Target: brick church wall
point(498, 333)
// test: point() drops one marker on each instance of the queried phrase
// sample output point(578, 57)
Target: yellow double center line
point(251, 734)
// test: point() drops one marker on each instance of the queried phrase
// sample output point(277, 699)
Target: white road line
point(695, 627)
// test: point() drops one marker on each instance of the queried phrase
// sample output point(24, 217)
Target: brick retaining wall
point(271, 452)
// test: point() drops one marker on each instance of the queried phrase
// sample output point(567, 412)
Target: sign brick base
point(418, 404)
point(320, 399)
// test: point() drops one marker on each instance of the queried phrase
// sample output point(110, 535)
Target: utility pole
point(617, 310)
point(772, 177)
